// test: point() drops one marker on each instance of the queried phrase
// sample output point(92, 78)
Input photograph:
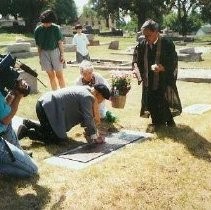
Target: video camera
point(9, 74)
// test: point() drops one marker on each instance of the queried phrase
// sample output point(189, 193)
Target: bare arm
point(13, 98)
point(61, 49)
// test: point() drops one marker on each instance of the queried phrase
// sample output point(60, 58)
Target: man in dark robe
point(155, 60)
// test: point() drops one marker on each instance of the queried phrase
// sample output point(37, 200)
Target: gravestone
point(94, 42)
point(19, 47)
point(68, 40)
point(32, 81)
point(187, 50)
point(197, 108)
point(189, 55)
point(66, 30)
point(21, 50)
point(31, 41)
point(90, 36)
point(114, 45)
point(69, 48)
point(86, 155)
point(16, 122)
point(195, 75)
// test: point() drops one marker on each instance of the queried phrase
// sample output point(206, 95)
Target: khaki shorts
point(50, 60)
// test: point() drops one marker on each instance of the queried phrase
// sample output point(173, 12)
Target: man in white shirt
point(81, 43)
point(90, 77)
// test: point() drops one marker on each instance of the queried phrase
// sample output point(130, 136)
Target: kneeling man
point(58, 111)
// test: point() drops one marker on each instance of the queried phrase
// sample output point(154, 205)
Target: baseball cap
point(103, 90)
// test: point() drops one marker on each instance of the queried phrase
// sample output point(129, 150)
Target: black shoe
point(22, 132)
point(29, 124)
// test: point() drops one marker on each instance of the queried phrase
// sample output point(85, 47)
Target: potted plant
point(120, 86)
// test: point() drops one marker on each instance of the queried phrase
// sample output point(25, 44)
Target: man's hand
point(95, 139)
point(157, 68)
point(137, 74)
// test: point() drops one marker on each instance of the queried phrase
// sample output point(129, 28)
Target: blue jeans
point(13, 160)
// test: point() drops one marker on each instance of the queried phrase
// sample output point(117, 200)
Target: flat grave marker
point(85, 155)
point(197, 108)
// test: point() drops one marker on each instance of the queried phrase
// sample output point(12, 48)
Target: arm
point(13, 99)
point(39, 51)
point(135, 68)
point(91, 133)
point(61, 49)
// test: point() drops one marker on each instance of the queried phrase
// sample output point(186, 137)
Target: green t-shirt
point(47, 38)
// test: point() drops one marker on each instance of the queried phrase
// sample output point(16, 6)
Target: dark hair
point(103, 90)
point(48, 16)
point(151, 25)
point(78, 26)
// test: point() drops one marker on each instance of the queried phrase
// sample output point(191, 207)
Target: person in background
point(49, 41)
point(90, 77)
point(13, 160)
point(81, 42)
point(58, 111)
point(155, 62)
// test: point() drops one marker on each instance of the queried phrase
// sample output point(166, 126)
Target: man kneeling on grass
point(58, 111)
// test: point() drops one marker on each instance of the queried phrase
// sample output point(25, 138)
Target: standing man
point(155, 59)
point(81, 42)
point(48, 39)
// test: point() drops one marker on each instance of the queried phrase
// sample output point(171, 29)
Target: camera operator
point(13, 160)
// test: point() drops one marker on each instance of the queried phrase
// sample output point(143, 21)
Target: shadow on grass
point(14, 194)
point(197, 145)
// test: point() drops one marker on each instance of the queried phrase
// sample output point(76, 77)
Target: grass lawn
point(170, 171)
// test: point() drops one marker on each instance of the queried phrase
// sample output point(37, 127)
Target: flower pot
point(118, 101)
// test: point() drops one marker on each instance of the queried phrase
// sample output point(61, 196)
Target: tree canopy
point(30, 10)
point(157, 10)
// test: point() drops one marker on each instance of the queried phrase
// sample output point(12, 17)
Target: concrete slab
point(17, 121)
point(197, 108)
point(85, 155)
point(195, 75)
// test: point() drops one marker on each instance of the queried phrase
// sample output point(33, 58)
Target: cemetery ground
point(169, 171)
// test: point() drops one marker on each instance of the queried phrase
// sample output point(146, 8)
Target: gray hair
point(86, 65)
point(151, 25)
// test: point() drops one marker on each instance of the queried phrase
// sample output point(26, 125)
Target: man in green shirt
point(48, 39)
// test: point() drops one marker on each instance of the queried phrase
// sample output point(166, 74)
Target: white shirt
point(98, 80)
point(81, 41)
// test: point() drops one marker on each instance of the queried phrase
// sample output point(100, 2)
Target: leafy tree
point(194, 22)
point(206, 10)
point(142, 9)
point(5, 7)
point(30, 10)
point(66, 11)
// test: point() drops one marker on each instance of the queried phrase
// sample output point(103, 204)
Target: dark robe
point(160, 97)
